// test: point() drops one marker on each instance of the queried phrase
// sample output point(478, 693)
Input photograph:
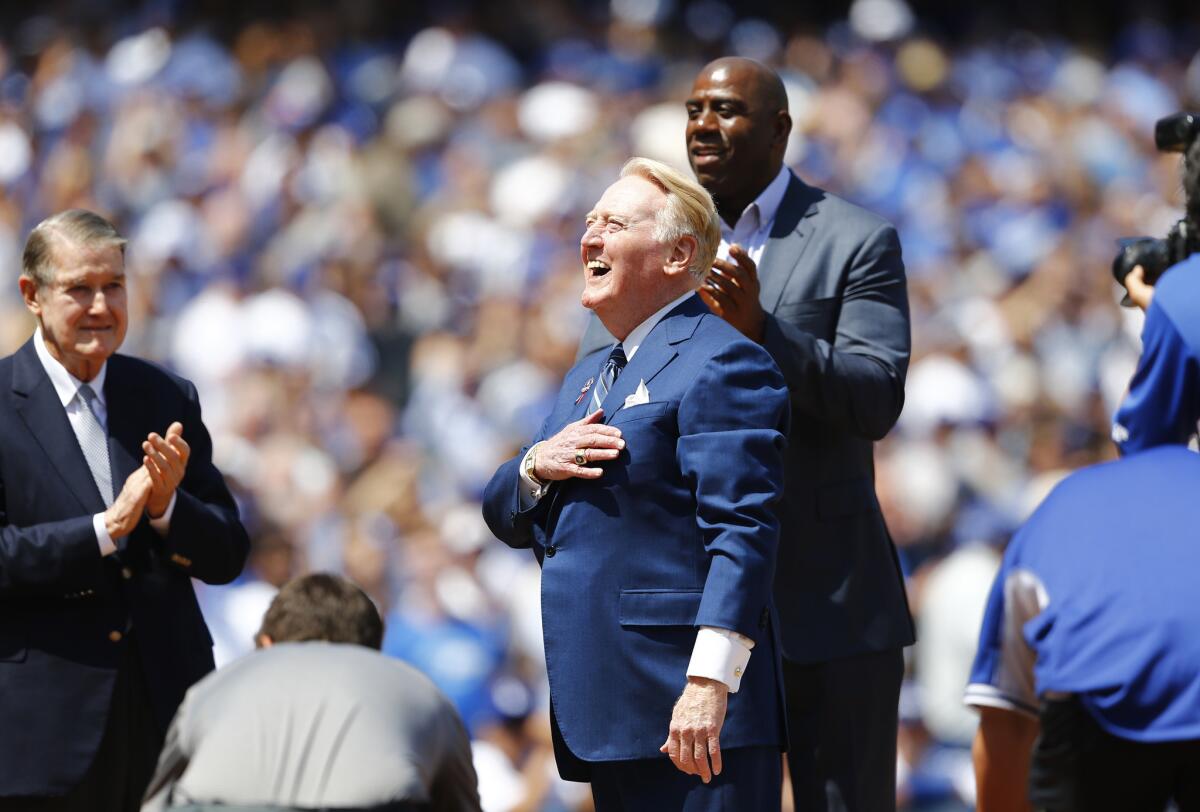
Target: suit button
point(764, 619)
point(115, 636)
point(550, 551)
point(126, 573)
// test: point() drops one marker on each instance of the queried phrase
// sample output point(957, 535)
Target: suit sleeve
point(502, 508)
point(51, 558)
point(732, 422)
point(857, 382)
point(206, 538)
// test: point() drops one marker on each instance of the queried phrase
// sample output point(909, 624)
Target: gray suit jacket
point(833, 286)
point(312, 726)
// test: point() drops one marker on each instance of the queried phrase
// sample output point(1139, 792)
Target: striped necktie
point(93, 440)
point(608, 376)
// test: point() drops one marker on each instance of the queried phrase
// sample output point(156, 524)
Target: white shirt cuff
point(163, 523)
point(102, 538)
point(720, 654)
point(529, 491)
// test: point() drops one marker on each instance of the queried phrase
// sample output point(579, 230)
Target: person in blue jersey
point(647, 497)
point(1163, 402)
point(1090, 638)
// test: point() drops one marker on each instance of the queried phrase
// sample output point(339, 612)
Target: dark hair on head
point(323, 606)
point(1191, 182)
point(77, 226)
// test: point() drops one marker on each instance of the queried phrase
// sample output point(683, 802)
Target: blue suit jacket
point(61, 602)
point(677, 533)
point(832, 285)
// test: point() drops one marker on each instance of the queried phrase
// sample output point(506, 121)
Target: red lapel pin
point(584, 390)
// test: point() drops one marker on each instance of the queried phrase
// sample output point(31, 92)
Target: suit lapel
point(128, 419)
point(126, 422)
point(789, 238)
point(655, 353)
point(652, 357)
point(39, 407)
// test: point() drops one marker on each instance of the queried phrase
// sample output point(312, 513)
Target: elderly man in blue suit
point(819, 283)
point(106, 514)
point(647, 498)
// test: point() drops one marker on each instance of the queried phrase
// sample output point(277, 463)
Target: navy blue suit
point(64, 609)
point(833, 289)
point(679, 532)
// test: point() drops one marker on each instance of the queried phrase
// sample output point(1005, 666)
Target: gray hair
point(77, 226)
point(689, 212)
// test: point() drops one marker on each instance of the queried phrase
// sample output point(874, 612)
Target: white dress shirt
point(753, 228)
point(67, 386)
point(718, 654)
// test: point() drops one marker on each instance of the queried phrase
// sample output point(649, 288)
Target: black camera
point(1174, 133)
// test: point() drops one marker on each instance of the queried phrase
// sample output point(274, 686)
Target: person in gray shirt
point(317, 719)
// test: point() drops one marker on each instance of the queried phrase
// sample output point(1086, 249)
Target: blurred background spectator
point(355, 227)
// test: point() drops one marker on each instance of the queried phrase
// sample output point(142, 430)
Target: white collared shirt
point(753, 228)
point(66, 386)
point(718, 654)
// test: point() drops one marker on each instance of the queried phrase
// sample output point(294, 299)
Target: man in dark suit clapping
point(106, 513)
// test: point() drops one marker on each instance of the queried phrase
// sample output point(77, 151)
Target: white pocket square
point(640, 395)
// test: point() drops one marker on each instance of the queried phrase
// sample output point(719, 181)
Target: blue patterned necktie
point(608, 376)
point(93, 441)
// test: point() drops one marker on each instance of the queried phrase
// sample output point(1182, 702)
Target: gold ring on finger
point(581, 456)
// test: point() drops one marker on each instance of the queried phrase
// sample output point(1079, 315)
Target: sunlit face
point(82, 310)
point(625, 266)
point(733, 135)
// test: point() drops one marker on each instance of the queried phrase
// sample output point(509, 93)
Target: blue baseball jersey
point(1097, 596)
point(1163, 403)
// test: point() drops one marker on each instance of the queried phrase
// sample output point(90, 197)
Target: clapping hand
point(165, 461)
point(126, 510)
point(731, 291)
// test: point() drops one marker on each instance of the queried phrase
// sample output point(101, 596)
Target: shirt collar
point(766, 205)
point(66, 384)
point(638, 334)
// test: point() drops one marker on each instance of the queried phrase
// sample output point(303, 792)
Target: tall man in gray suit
point(317, 720)
point(820, 284)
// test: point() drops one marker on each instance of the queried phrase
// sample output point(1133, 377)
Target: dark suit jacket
point(65, 610)
point(677, 533)
point(832, 284)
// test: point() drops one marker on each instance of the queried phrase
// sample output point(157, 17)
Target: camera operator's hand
point(1139, 292)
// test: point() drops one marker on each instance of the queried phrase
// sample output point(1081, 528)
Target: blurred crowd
point(364, 252)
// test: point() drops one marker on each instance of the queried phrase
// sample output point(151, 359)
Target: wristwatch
point(531, 464)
